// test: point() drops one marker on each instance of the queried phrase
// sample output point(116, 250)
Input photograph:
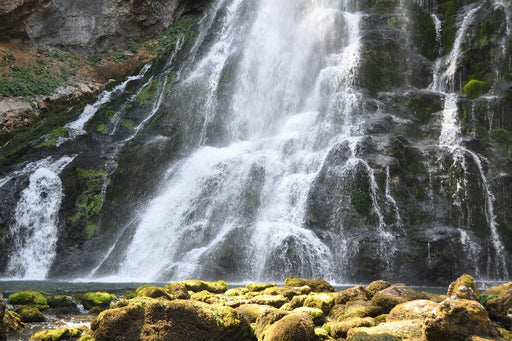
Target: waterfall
point(34, 233)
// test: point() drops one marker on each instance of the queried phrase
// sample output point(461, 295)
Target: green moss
point(475, 88)
point(180, 29)
point(22, 82)
point(258, 286)
point(30, 297)
point(95, 301)
point(102, 128)
point(128, 124)
point(147, 95)
point(385, 6)
point(449, 8)
point(503, 138)
point(51, 140)
point(58, 334)
point(30, 313)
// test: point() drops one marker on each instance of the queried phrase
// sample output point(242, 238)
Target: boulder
point(322, 301)
point(316, 314)
point(498, 302)
point(464, 287)
point(3, 328)
point(376, 286)
point(37, 299)
point(95, 302)
point(352, 294)
point(12, 321)
point(58, 334)
point(177, 290)
point(251, 312)
point(213, 287)
point(394, 295)
point(287, 291)
point(30, 313)
point(272, 300)
point(340, 329)
point(318, 285)
point(268, 317)
point(293, 327)
point(417, 309)
point(152, 291)
point(389, 331)
point(456, 319)
point(258, 286)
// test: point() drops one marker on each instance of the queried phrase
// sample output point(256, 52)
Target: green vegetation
point(118, 57)
point(385, 6)
point(182, 28)
point(58, 334)
point(21, 82)
point(503, 138)
point(93, 60)
point(51, 140)
point(475, 88)
point(37, 299)
point(102, 128)
point(423, 107)
point(133, 47)
point(147, 95)
point(89, 202)
point(483, 298)
point(128, 124)
point(450, 15)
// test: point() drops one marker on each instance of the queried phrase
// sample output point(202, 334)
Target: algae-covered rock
point(340, 329)
point(62, 304)
point(296, 302)
point(58, 334)
point(152, 291)
point(236, 291)
point(271, 300)
point(417, 309)
point(30, 313)
point(293, 327)
point(266, 319)
point(394, 295)
point(464, 287)
point(30, 297)
point(95, 302)
point(322, 301)
point(318, 285)
point(397, 330)
point(352, 294)
point(177, 290)
point(258, 286)
point(12, 321)
point(498, 302)
point(376, 286)
point(213, 287)
point(288, 292)
point(205, 296)
point(123, 323)
point(251, 312)
point(361, 308)
point(316, 314)
point(455, 319)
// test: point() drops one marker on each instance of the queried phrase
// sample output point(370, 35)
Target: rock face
point(90, 25)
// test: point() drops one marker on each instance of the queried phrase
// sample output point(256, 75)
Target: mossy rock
point(361, 308)
point(376, 286)
point(177, 290)
point(340, 329)
point(417, 309)
point(475, 88)
point(12, 321)
point(213, 287)
point(271, 300)
point(297, 301)
point(258, 286)
point(58, 334)
point(30, 313)
point(317, 285)
point(288, 292)
point(464, 287)
point(30, 297)
point(498, 302)
point(352, 294)
point(123, 323)
point(95, 301)
point(390, 331)
point(394, 295)
point(266, 319)
point(456, 319)
point(242, 291)
point(322, 301)
point(152, 291)
point(316, 314)
point(62, 304)
point(293, 327)
point(251, 312)
point(205, 296)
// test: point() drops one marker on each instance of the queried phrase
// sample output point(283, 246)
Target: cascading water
point(34, 233)
point(450, 138)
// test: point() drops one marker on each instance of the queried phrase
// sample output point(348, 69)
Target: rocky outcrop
point(88, 26)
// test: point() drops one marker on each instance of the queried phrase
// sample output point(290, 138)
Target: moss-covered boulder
point(205, 296)
point(251, 312)
point(30, 313)
point(456, 319)
point(417, 309)
point(318, 285)
point(287, 291)
point(316, 314)
point(272, 300)
point(376, 286)
point(340, 329)
point(389, 331)
point(59, 334)
point(152, 291)
point(95, 302)
point(266, 319)
point(352, 294)
point(258, 286)
point(30, 297)
point(498, 302)
point(293, 327)
point(240, 291)
point(361, 308)
point(177, 290)
point(464, 287)
point(12, 321)
point(394, 295)
point(62, 304)
point(161, 319)
point(213, 287)
point(322, 301)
